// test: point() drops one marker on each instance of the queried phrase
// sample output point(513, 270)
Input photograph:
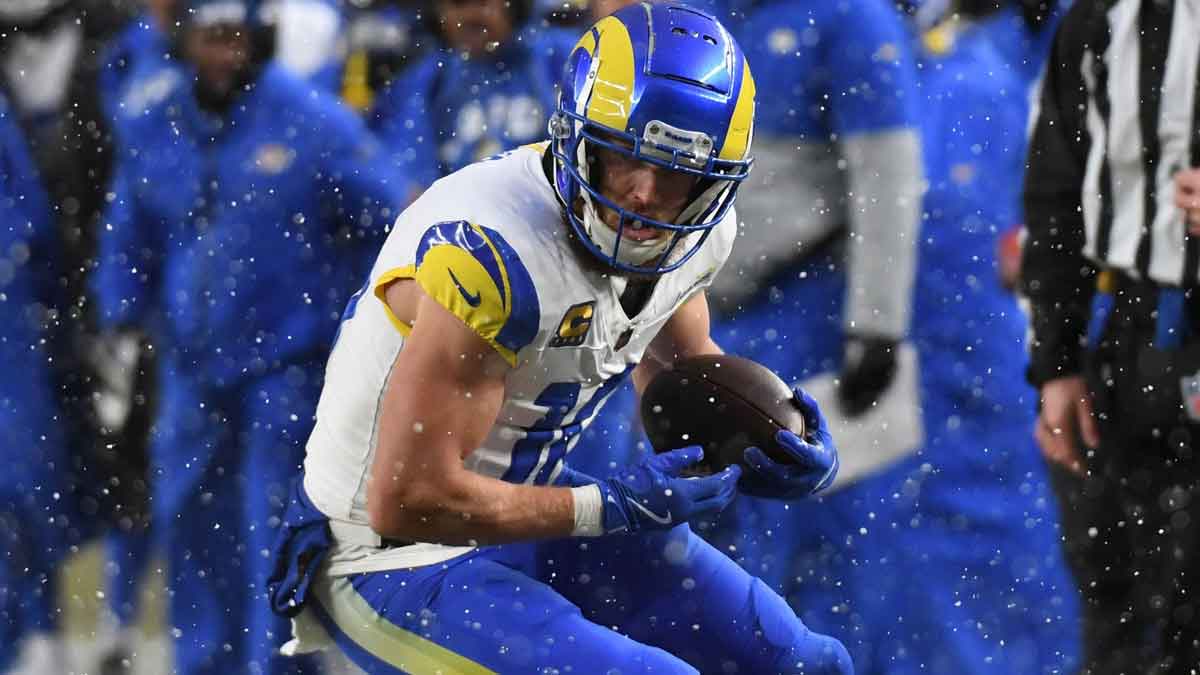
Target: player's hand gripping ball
point(742, 413)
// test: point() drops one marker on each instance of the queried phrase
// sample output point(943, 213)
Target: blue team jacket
point(445, 112)
point(31, 444)
point(140, 48)
point(239, 239)
point(27, 255)
point(974, 128)
point(827, 68)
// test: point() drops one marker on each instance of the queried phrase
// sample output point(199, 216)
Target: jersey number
point(549, 436)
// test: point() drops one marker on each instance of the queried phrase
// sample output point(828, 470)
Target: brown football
point(724, 404)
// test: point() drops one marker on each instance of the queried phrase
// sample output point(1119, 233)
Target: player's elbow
point(395, 509)
point(411, 508)
point(386, 518)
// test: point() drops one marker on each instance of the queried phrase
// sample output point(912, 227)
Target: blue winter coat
point(239, 239)
point(445, 112)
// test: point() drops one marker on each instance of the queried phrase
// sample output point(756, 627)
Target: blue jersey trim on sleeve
point(523, 319)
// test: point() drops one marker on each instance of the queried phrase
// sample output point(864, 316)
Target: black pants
point(1130, 526)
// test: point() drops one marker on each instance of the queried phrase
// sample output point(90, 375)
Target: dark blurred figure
point(246, 204)
point(52, 60)
point(383, 37)
point(49, 67)
point(40, 519)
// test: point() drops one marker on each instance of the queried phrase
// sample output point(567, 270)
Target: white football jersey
point(491, 245)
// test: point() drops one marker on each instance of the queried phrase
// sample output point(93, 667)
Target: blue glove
point(651, 495)
point(815, 459)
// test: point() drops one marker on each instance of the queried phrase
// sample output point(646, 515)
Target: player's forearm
point(470, 509)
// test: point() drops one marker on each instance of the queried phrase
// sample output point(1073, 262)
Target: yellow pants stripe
point(383, 639)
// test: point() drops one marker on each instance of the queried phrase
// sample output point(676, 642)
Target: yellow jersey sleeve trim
point(380, 291)
point(459, 282)
point(478, 277)
point(384, 640)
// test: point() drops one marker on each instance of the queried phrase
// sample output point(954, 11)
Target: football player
point(437, 526)
point(966, 531)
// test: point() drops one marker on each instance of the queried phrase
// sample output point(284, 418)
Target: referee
point(1111, 263)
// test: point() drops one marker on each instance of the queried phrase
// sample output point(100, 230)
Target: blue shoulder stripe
point(526, 312)
point(517, 293)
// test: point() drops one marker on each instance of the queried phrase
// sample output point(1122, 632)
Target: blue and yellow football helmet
point(666, 84)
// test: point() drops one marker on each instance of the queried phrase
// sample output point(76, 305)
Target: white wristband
point(589, 511)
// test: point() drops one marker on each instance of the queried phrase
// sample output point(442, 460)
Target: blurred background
point(193, 190)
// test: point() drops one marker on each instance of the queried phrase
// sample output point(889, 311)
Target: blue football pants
point(40, 520)
point(658, 603)
point(221, 468)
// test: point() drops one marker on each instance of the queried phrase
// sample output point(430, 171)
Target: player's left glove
point(815, 459)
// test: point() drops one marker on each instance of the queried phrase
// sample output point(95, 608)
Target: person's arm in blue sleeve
point(368, 191)
point(28, 207)
point(403, 122)
point(128, 256)
point(873, 111)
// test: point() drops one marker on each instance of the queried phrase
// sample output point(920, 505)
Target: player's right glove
point(649, 495)
point(814, 463)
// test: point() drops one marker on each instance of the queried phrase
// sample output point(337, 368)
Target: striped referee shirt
point(1118, 117)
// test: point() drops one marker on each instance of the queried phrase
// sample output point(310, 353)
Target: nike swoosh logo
point(661, 520)
point(472, 299)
